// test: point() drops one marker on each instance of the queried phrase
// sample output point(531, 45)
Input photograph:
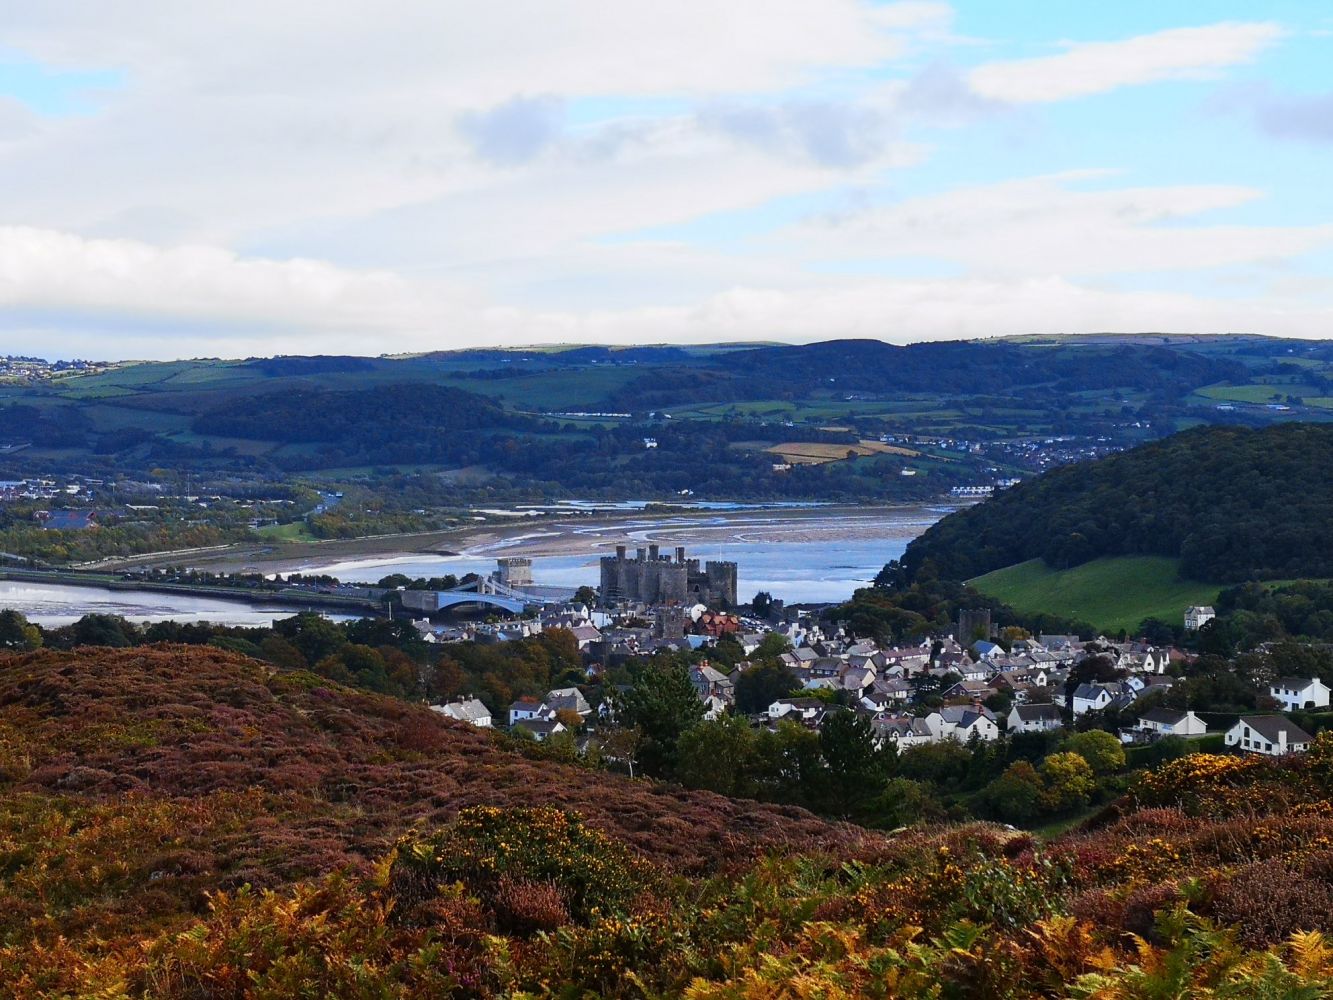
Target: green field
point(295, 531)
point(1265, 392)
point(1111, 593)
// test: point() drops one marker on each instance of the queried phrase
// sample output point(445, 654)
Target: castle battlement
point(650, 577)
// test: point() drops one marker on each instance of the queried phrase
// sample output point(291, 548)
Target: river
point(805, 556)
point(813, 558)
point(50, 605)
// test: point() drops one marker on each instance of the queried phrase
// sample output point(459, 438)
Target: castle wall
point(650, 578)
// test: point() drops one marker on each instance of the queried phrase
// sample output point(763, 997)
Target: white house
point(886, 691)
point(716, 706)
point(539, 729)
point(1091, 698)
point(986, 650)
point(527, 708)
point(1034, 718)
point(570, 699)
point(1169, 722)
point(468, 710)
point(1144, 661)
point(1297, 692)
point(901, 731)
point(797, 709)
point(1197, 617)
point(1274, 735)
point(959, 722)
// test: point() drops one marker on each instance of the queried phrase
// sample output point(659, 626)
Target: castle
point(652, 578)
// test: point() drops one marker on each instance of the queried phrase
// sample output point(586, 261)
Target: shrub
point(505, 854)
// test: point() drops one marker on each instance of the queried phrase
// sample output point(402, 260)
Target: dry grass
point(817, 453)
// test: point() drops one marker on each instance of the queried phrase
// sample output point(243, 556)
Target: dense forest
point(1232, 504)
point(418, 423)
point(962, 368)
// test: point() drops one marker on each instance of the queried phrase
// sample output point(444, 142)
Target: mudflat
point(574, 533)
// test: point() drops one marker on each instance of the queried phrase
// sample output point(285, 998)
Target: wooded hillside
point(1232, 504)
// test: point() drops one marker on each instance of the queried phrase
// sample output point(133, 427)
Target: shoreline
point(566, 534)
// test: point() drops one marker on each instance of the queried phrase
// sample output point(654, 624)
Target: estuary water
point(802, 556)
point(807, 559)
point(50, 605)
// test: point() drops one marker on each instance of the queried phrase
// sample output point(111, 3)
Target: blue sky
point(369, 178)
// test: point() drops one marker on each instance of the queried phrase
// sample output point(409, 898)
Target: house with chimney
point(1271, 735)
point(1294, 693)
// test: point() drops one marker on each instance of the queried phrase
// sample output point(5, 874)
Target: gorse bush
point(527, 862)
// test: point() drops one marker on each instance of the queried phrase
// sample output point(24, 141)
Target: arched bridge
point(483, 590)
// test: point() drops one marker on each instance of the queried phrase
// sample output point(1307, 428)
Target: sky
point(229, 180)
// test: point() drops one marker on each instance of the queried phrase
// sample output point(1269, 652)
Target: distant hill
point(571, 421)
point(1232, 504)
point(939, 367)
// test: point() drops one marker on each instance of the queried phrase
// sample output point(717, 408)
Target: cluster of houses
point(540, 718)
point(886, 683)
point(613, 638)
point(44, 488)
point(911, 695)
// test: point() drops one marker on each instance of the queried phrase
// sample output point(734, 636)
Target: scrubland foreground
point(185, 823)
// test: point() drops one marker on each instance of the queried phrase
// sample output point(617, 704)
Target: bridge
point(483, 590)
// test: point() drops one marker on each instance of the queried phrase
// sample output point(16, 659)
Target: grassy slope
point(1109, 593)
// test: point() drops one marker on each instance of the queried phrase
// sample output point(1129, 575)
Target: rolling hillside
point(1110, 594)
point(178, 824)
point(1230, 504)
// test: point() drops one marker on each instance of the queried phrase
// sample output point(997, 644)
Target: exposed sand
point(564, 535)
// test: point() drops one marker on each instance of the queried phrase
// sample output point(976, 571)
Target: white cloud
point(426, 52)
point(1097, 67)
point(239, 119)
point(116, 298)
point(43, 271)
point(367, 177)
point(1043, 226)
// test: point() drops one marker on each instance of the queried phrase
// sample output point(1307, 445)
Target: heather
point(186, 823)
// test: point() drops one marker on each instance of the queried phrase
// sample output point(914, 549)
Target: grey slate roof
point(1270, 726)
point(1037, 713)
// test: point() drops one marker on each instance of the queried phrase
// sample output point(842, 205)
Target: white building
point(901, 731)
point(468, 710)
point(1197, 617)
point(1034, 718)
point(526, 709)
point(1273, 735)
point(797, 709)
point(1169, 722)
point(1297, 692)
point(959, 722)
point(539, 729)
point(1091, 698)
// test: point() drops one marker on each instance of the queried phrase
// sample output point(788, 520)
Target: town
point(973, 684)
